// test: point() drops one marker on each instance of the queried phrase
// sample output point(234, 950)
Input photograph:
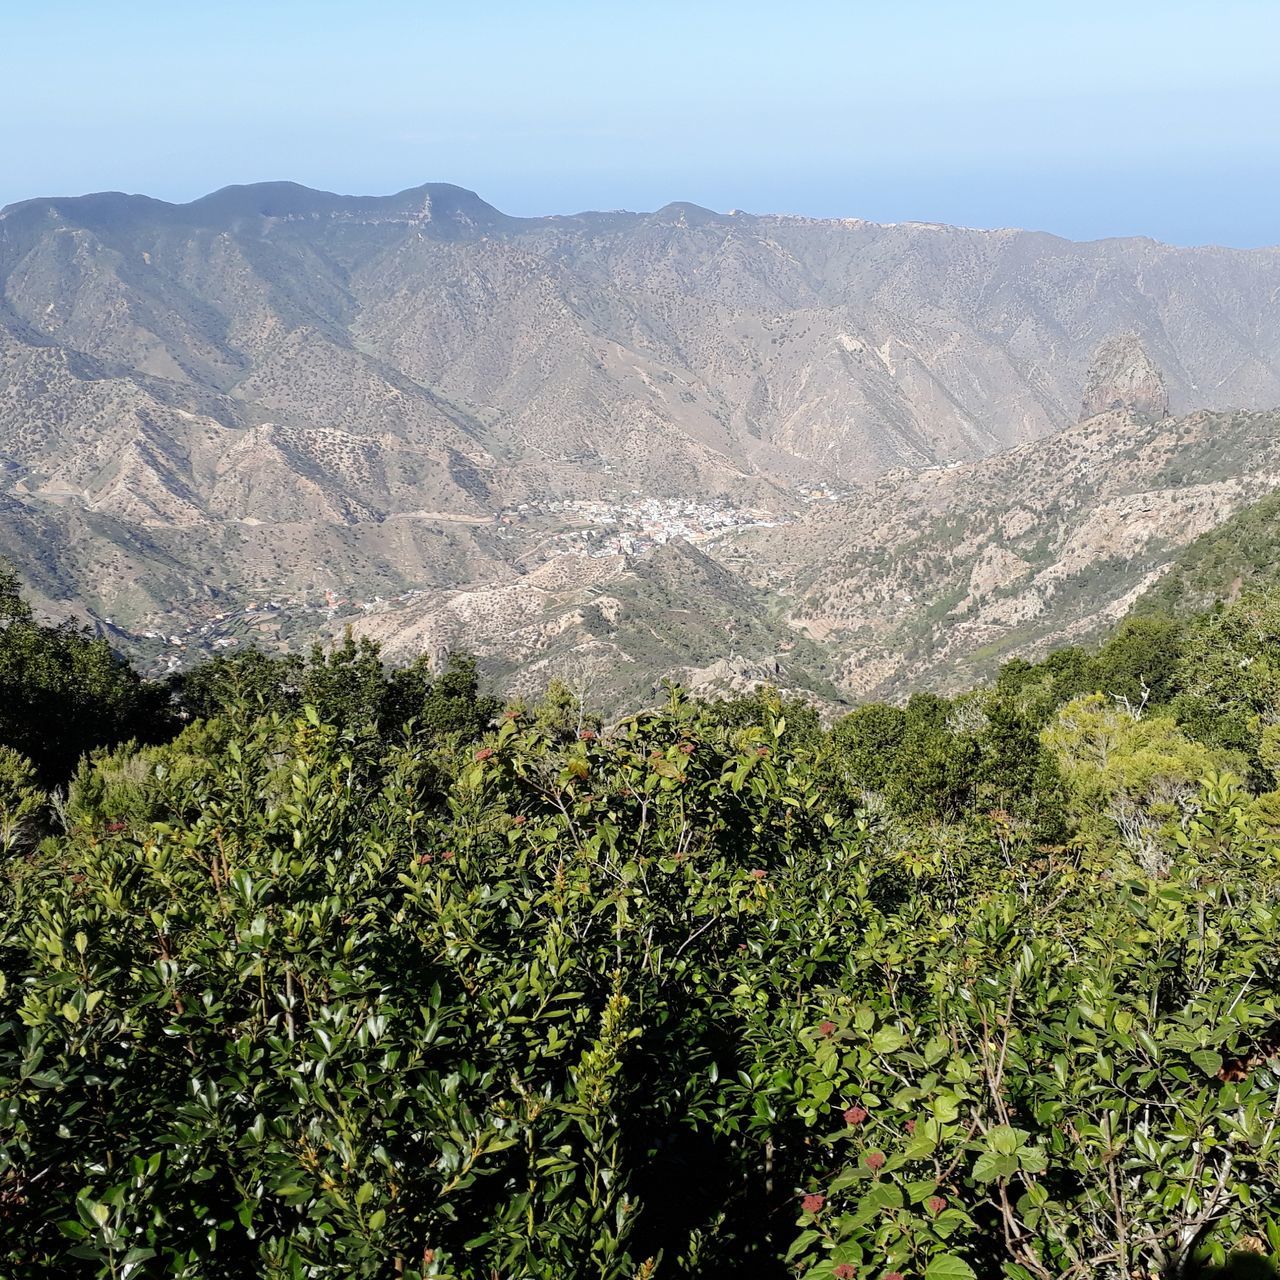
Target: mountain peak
point(442, 201)
point(685, 214)
point(548, 436)
point(438, 202)
point(262, 199)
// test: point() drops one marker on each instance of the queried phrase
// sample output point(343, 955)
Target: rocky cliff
point(1122, 377)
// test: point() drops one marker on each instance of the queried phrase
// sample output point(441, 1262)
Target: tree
point(1229, 678)
point(63, 691)
point(21, 803)
point(936, 768)
point(13, 608)
point(867, 742)
point(1040, 688)
point(766, 705)
point(289, 997)
point(454, 704)
point(1123, 774)
point(251, 679)
point(1011, 756)
point(346, 684)
point(1140, 661)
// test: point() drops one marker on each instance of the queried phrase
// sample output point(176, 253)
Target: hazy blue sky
point(1087, 119)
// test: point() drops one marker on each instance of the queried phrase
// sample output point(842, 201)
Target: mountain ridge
point(286, 198)
point(276, 392)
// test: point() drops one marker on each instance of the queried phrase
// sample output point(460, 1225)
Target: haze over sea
point(1086, 119)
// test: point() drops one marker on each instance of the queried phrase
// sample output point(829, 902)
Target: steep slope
point(616, 627)
point(1122, 377)
point(942, 573)
point(410, 407)
point(1241, 554)
point(681, 348)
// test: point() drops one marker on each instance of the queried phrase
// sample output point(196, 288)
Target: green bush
point(22, 804)
point(290, 1000)
point(369, 986)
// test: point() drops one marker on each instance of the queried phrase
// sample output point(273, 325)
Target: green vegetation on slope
point(358, 975)
point(1241, 554)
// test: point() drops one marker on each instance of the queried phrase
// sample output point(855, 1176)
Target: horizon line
point(920, 223)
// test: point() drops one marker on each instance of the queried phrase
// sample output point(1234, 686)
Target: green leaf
point(946, 1107)
point(919, 1192)
point(888, 1040)
point(802, 1242)
point(1207, 1060)
point(664, 768)
point(882, 1195)
point(1004, 1139)
point(991, 1166)
point(946, 1266)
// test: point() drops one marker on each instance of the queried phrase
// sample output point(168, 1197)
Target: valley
point(655, 741)
point(870, 450)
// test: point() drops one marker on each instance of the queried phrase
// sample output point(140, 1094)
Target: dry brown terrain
point(275, 393)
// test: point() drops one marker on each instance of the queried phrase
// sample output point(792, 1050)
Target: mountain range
point(723, 446)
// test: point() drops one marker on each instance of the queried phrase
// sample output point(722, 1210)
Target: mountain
point(1122, 376)
point(919, 577)
point(941, 574)
point(1241, 554)
point(274, 410)
point(616, 625)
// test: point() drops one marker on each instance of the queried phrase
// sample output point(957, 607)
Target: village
point(601, 529)
point(614, 528)
point(277, 623)
point(592, 528)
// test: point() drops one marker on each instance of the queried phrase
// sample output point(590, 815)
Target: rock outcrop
point(1122, 378)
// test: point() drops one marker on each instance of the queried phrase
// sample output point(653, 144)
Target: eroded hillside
point(262, 415)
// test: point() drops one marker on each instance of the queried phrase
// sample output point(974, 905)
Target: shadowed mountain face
point(274, 389)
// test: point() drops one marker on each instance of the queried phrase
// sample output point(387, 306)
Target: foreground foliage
point(344, 983)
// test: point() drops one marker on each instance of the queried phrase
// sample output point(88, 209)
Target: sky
point(1085, 119)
